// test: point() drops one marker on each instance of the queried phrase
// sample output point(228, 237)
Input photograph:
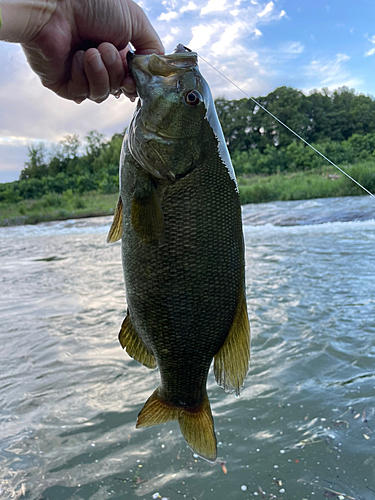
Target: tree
point(70, 145)
point(36, 167)
point(95, 145)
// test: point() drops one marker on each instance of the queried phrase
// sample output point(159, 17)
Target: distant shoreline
point(255, 189)
point(35, 219)
point(57, 207)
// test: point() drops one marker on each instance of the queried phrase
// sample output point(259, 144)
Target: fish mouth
point(159, 134)
point(181, 60)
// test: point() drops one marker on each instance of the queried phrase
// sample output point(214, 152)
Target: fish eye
point(193, 98)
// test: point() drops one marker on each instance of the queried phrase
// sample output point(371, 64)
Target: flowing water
point(304, 427)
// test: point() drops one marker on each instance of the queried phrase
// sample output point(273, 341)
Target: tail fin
point(197, 426)
point(198, 430)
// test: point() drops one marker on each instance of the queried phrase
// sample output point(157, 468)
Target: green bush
point(51, 200)
point(79, 203)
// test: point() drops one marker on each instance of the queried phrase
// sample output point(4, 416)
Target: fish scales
point(183, 254)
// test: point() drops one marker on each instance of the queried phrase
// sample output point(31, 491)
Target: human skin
point(78, 48)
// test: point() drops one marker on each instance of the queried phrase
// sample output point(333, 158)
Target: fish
point(179, 219)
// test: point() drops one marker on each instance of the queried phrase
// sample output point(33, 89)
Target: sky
point(260, 45)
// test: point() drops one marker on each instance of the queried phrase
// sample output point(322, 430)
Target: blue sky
point(258, 44)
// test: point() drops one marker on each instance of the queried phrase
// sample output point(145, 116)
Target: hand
point(56, 52)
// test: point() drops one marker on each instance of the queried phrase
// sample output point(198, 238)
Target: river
point(304, 426)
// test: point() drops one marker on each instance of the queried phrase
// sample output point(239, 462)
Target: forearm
point(21, 20)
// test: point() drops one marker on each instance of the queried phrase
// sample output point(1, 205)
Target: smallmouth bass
point(179, 218)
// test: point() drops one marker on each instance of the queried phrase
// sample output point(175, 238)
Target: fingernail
point(109, 56)
point(95, 62)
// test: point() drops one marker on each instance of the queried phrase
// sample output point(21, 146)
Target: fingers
point(97, 73)
point(78, 86)
point(104, 71)
point(144, 38)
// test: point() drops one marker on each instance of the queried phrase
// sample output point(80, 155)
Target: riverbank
point(57, 207)
point(326, 183)
point(254, 189)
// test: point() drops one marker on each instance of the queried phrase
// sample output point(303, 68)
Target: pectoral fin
point(133, 345)
point(231, 363)
point(196, 425)
point(115, 232)
point(147, 217)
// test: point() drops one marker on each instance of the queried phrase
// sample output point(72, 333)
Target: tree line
point(65, 168)
point(341, 124)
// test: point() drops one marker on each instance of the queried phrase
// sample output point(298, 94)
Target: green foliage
point(317, 117)
point(95, 144)
point(51, 200)
point(364, 173)
point(56, 206)
point(36, 166)
point(297, 186)
point(340, 124)
point(62, 169)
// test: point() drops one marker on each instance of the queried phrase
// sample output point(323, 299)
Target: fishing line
point(286, 126)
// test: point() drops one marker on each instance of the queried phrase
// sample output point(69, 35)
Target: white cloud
point(13, 156)
point(214, 6)
point(331, 73)
point(168, 41)
point(224, 46)
point(371, 51)
point(33, 113)
point(292, 48)
point(201, 36)
point(168, 16)
point(190, 6)
point(170, 4)
point(222, 31)
point(267, 9)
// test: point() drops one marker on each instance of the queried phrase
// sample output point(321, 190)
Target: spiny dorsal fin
point(232, 361)
point(134, 346)
point(147, 218)
point(115, 232)
point(197, 425)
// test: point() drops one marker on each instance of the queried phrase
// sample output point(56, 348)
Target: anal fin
point(196, 425)
point(231, 363)
point(133, 345)
point(115, 232)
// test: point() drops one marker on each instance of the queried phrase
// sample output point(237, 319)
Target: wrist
point(21, 20)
